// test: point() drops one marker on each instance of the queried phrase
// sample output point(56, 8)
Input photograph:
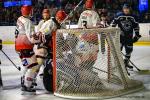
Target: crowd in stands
point(9, 15)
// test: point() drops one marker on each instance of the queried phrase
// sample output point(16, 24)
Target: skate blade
point(28, 93)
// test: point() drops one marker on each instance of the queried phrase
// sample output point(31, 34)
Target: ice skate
point(28, 91)
point(127, 65)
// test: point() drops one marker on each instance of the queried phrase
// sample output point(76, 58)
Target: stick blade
point(19, 68)
point(144, 72)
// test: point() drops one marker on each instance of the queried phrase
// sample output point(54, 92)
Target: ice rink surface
point(11, 77)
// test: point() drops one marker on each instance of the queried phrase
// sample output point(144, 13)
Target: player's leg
point(31, 69)
point(41, 54)
point(44, 57)
point(128, 49)
point(121, 46)
point(122, 42)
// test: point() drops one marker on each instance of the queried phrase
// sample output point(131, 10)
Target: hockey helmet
point(26, 10)
point(127, 6)
point(61, 15)
point(89, 4)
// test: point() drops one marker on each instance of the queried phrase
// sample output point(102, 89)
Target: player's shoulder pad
point(119, 14)
point(23, 19)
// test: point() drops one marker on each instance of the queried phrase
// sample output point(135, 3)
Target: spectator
point(9, 15)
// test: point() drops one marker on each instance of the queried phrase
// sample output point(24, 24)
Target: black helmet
point(126, 6)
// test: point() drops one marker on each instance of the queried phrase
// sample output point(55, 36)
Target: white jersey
point(90, 17)
point(40, 25)
point(25, 27)
point(48, 27)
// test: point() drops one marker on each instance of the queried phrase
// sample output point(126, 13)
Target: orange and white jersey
point(88, 17)
point(25, 30)
point(25, 27)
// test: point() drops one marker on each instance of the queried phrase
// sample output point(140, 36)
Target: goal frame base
point(104, 97)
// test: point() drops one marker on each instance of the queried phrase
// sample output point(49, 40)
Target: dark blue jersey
point(127, 23)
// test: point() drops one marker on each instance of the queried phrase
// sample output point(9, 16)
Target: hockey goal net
point(88, 64)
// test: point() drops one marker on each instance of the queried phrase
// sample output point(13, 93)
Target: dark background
point(9, 15)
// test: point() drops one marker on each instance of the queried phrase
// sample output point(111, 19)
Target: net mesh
point(89, 64)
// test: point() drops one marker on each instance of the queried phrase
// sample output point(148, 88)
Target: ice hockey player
point(24, 42)
point(104, 20)
point(44, 51)
point(42, 48)
point(47, 28)
point(89, 17)
point(128, 23)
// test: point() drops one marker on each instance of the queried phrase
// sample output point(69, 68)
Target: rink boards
point(7, 34)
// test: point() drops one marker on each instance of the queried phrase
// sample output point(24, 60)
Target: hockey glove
point(136, 38)
point(42, 37)
point(35, 36)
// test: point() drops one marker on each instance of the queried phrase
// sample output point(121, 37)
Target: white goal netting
point(89, 64)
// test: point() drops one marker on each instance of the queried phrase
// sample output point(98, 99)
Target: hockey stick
point(19, 68)
point(72, 11)
point(1, 82)
point(140, 70)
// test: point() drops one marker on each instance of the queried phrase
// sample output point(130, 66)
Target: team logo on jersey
point(87, 14)
point(126, 25)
